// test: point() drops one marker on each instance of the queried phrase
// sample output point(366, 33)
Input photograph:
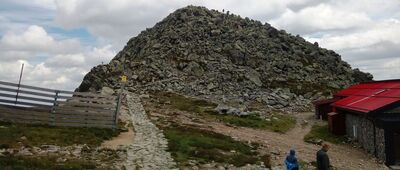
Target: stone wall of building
point(380, 144)
point(362, 130)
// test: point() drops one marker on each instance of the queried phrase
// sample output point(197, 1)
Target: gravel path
point(148, 150)
point(344, 157)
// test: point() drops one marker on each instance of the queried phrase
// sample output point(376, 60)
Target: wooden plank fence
point(37, 105)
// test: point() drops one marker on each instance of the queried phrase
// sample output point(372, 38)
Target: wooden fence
point(36, 105)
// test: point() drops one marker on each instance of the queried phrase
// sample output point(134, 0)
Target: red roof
point(370, 96)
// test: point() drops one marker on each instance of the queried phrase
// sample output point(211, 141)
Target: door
point(397, 148)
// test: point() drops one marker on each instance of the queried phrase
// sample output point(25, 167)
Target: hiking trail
point(148, 150)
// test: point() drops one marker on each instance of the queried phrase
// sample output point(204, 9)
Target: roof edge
point(378, 81)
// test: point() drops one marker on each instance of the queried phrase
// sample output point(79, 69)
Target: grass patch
point(206, 146)
point(322, 132)
point(37, 135)
point(307, 165)
point(39, 163)
point(187, 104)
point(276, 122)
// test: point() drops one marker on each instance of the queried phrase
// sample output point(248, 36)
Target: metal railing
point(37, 105)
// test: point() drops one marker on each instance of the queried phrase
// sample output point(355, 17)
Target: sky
point(59, 41)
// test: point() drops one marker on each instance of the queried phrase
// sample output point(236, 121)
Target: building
point(323, 107)
point(370, 113)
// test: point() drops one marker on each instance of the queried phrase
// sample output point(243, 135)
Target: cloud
point(116, 21)
point(36, 39)
point(18, 14)
point(59, 72)
point(49, 4)
point(387, 30)
point(391, 69)
point(43, 4)
point(14, 55)
point(382, 68)
point(99, 55)
point(10, 70)
point(49, 62)
point(255, 9)
point(377, 8)
point(297, 5)
point(119, 20)
point(66, 61)
point(94, 56)
point(371, 50)
point(365, 33)
point(320, 18)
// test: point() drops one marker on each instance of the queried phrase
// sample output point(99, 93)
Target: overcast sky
point(60, 40)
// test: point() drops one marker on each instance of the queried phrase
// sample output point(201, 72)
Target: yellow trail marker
point(124, 78)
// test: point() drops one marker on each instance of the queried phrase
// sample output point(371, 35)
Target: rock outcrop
point(201, 52)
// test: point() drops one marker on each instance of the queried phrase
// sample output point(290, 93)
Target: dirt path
point(123, 139)
point(344, 157)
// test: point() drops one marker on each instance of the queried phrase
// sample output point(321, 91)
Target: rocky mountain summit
point(224, 57)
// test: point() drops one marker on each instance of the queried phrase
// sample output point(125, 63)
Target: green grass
point(281, 123)
point(322, 132)
point(187, 104)
point(40, 163)
point(307, 165)
point(206, 146)
point(62, 136)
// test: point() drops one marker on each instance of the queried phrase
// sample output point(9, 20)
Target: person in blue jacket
point(291, 161)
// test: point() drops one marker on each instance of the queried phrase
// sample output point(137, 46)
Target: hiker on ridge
point(291, 161)
point(322, 158)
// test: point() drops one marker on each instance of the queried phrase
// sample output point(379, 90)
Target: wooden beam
point(85, 94)
point(80, 104)
point(100, 100)
point(83, 112)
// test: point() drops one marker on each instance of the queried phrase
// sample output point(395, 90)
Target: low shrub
point(37, 135)
point(40, 163)
point(276, 122)
point(319, 132)
point(206, 146)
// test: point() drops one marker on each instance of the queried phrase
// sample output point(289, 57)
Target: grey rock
point(254, 76)
point(223, 109)
point(50, 148)
point(107, 91)
point(24, 152)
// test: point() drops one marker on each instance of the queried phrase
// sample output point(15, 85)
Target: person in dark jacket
point(291, 161)
point(322, 158)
